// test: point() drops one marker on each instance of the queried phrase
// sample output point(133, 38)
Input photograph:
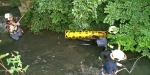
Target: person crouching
point(111, 59)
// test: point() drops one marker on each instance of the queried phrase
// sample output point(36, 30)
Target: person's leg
point(114, 68)
point(14, 36)
point(108, 68)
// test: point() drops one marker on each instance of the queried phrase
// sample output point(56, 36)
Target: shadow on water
point(8, 9)
point(49, 53)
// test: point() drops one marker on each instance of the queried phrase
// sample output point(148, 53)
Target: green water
point(49, 53)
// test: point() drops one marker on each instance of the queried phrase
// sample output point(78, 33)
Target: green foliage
point(85, 11)
point(15, 62)
point(61, 15)
point(133, 18)
point(3, 55)
point(49, 15)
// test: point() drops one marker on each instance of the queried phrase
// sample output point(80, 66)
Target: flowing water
point(2, 25)
point(49, 53)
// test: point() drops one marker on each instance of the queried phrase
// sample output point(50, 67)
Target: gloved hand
point(100, 58)
point(123, 66)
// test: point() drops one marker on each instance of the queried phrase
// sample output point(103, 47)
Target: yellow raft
point(83, 34)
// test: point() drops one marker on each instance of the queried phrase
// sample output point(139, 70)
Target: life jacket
point(7, 25)
point(10, 27)
point(13, 29)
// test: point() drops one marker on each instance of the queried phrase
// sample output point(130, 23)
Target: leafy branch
point(14, 62)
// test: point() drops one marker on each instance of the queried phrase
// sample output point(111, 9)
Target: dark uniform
point(109, 65)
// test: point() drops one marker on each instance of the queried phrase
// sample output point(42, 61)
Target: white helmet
point(8, 15)
point(113, 29)
point(118, 55)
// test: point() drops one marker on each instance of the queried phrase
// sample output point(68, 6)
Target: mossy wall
point(12, 3)
point(4, 3)
point(15, 3)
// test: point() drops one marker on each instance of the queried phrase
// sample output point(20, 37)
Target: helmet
point(8, 15)
point(118, 55)
point(113, 29)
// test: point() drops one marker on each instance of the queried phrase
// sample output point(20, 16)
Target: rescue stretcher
point(83, 34)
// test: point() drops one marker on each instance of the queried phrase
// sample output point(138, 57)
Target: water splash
point(2, 25)
point(89, 70)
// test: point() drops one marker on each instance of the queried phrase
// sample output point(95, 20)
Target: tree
point(133, 19)
point(49, 14)
point(61, 15)
point(86, 11)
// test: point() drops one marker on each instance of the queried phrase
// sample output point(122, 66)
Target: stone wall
point(4, 3)
point(24, 5)
point(22, 8)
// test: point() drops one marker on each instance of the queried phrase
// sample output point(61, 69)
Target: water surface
point(49, 53)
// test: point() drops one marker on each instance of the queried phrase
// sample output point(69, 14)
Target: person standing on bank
point(12, 26)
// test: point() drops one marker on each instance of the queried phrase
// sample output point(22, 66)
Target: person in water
point(112, 55)
point(12, 26)
point(111, 59)
point(104, 41)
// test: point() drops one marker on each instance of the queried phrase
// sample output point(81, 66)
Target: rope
point(132, 66)
point(21, 18)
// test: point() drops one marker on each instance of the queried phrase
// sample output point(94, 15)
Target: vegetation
point(14, 63)
point(131, 16)
point(60, 15)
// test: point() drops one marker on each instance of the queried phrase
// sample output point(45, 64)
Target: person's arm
point(102, 55)
point(7, 26)
point(120, 65)
point(94, 36)
point(16, 24)
point(105, 55)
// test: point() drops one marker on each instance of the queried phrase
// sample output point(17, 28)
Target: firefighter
point(111, 59)
point(112, 54)
point(12, 26)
